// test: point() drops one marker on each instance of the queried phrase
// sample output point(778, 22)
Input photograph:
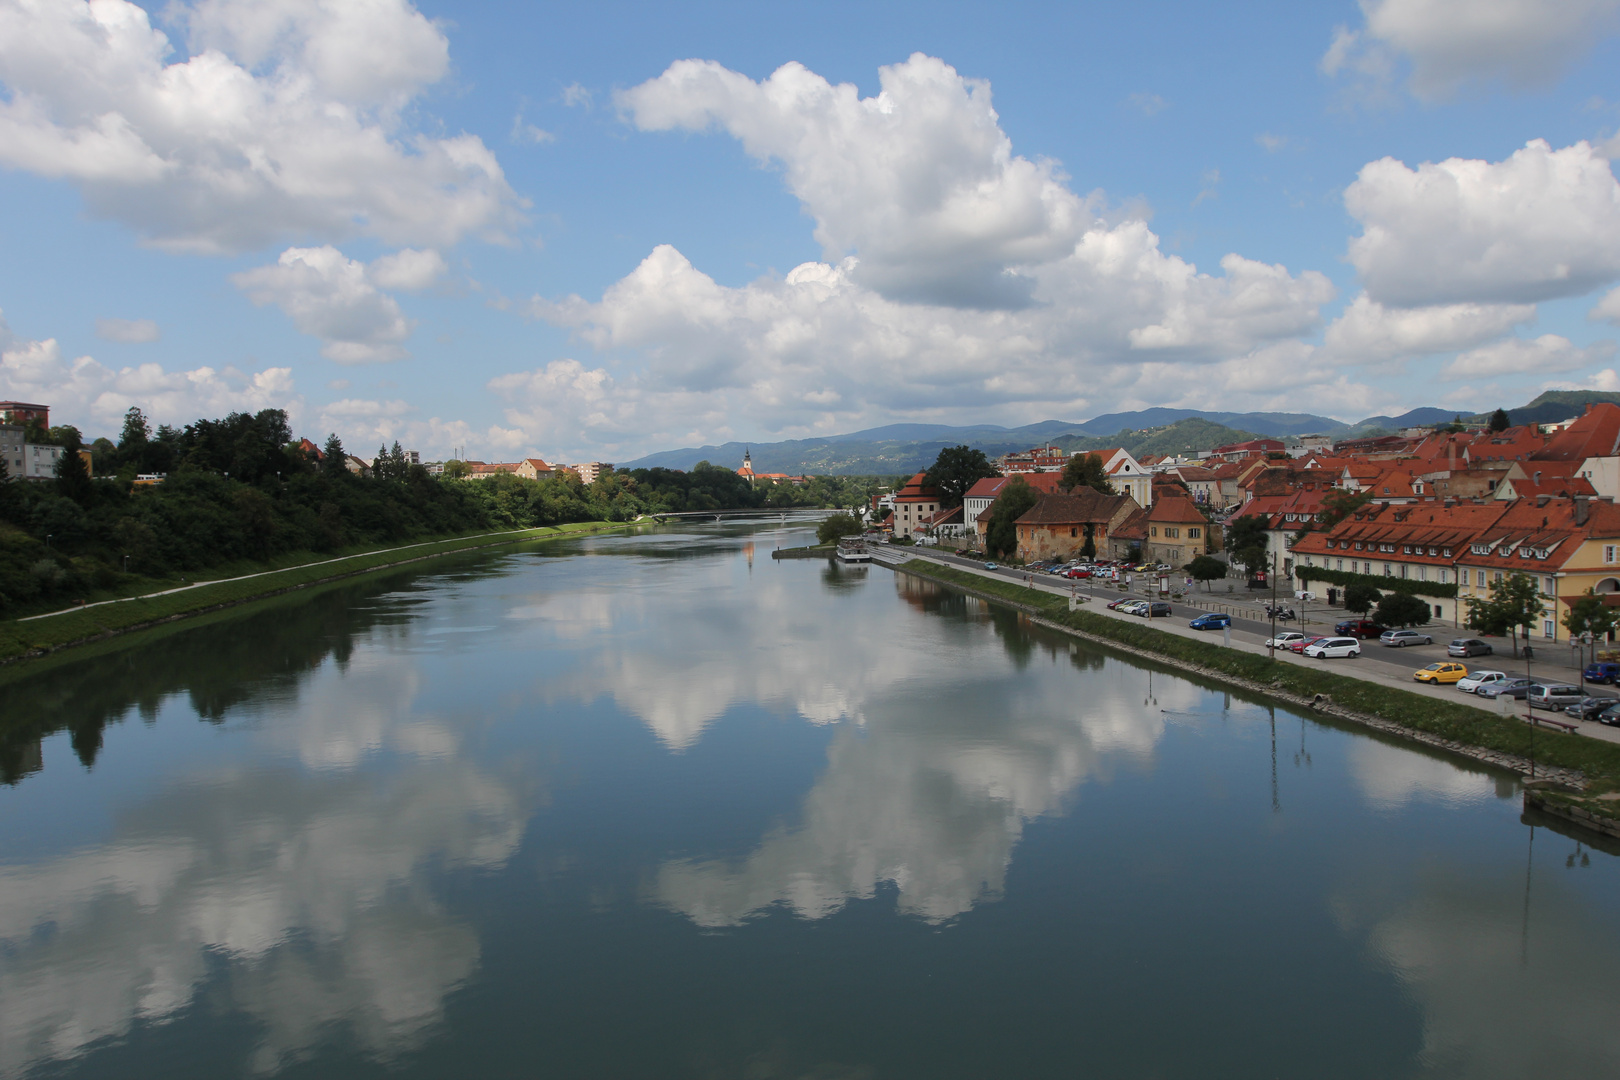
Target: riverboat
point(852, 550)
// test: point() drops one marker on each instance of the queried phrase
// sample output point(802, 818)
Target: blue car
point(1604, 671)
point(1212, 621)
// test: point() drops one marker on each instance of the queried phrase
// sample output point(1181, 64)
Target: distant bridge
point(716, 515)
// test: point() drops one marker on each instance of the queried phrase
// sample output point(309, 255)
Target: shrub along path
point(40, 634)
point(1589, 768)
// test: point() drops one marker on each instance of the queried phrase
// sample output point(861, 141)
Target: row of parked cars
point(1571, 699)
point(1147, 609)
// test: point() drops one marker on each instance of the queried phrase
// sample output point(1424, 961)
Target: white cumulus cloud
point(87, 393)
point(1541, 224)
point(1369, 332)
point(920, 180)
point(1544, 355)
point(285, 120)
point(1451, 43)
point(331, 297)
point(1607, 308)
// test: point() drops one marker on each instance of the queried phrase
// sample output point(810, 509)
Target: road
point(1251, 628)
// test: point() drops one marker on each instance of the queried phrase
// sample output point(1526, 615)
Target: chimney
point(1450, 503)
point(1581, 510)
point(1536, 479)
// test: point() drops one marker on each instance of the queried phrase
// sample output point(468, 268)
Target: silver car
point(1397, 639)
point(1554, 695)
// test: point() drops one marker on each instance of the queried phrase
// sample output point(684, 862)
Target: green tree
point(334, 462)
point(1015, 500)
point(1590, 615)
point(1515, 605)
point(1359, 597)
point(455, 469)
point(1398, 610)
point(956, 469)
point(1086, 470)
point(135, 435)
point(836, 525)
point(72, 477)
point(1246, 542)
point(1206, 568)
point(1500, 421)
point(1339, 504)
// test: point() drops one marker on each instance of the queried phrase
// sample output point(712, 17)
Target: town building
point(22, 413)
point(591, 471)
point(912, 503)
point(1177, 531)
point(978, 498)
point(1038, 460)
point(1065, 526)
point(534, 469)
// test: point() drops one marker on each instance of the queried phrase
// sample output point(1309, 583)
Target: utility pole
point(1271, 646)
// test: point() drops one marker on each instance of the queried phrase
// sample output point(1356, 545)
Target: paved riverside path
point(1377, 663)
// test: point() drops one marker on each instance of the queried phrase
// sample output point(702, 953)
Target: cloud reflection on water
point(307, 887)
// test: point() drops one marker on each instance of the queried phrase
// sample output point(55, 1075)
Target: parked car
point(1514, 688)
point(1285, 639)
point(1609, 716)
point(1116, 605)
point(1588, 707)
point(1305, 642)
point(991, 566)
point(1077, 573)
point(1444, 672)
point(1134, 607)
point(1359, 628)
point(1331, 647)
point(1477, 680)
point(1604, 671)
point(1554, 696)
point(1213, 621)
point(1398, 639)
point(1466, 647)
point(1158, 609)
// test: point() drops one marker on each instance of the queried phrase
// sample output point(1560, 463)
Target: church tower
point(747, 470)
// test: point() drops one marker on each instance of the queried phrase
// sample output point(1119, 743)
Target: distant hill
point(906, 448)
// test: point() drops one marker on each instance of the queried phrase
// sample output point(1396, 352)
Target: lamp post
point(1529, 709)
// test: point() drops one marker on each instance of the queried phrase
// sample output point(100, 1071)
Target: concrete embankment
point(815, 551)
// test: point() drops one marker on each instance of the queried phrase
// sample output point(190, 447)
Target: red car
point(1076, 573)
point(1299, 646)
point(1358, 628)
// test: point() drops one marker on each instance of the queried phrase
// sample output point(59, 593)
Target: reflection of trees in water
point(839, 575)
point(219, 665)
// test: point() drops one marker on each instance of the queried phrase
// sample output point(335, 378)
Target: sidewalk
point(1250, 630)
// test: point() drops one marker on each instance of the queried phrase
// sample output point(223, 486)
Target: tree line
point(242, 490)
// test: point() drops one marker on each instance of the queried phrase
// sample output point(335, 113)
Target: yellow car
point(1441, 673)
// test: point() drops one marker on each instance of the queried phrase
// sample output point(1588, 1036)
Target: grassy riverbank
point(1599, 761)
point(22, 638)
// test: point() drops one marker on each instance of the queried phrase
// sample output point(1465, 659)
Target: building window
point(1341, 564)
point(1403, 569)
point(1153, 530)
point(1442, 577)
point(1496, 576)
point(1423, 573)
point(1194, 534)
point(1551, 587)
point(1074, 531)
point(1386, 571)
point(1438, 613)
point(1547, 629)
point(1609, 552)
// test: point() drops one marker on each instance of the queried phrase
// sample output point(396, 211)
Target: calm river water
point(660, 806)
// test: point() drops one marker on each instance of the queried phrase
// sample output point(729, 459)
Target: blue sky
point(593, 232)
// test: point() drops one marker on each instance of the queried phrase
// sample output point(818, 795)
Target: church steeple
point(747, 469)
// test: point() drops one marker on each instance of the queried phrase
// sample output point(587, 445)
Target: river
point(657, 805)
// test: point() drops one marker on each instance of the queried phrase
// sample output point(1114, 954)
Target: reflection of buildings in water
point(314, 889)
point(1504, 992)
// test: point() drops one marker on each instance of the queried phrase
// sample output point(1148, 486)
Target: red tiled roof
point(1085, 506)
point(1595, 433)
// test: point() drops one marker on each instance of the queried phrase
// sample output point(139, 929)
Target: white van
point(1329, 648)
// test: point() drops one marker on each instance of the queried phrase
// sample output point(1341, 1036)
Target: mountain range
point(905, 448)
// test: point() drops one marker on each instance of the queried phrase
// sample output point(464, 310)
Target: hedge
point(1383, 584)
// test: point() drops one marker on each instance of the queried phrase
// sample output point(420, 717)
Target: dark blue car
point(1604, 671)
point(1212, 621)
